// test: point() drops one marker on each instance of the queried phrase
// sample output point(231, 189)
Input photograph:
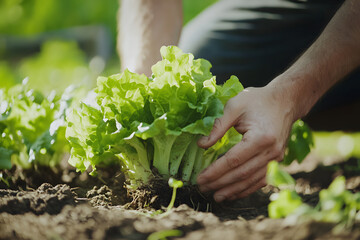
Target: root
point(157, 195)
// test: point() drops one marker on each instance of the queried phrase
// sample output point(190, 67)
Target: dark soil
point(99, 208)
point(46, 199)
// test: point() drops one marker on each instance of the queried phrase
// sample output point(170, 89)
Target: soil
point(69, 205)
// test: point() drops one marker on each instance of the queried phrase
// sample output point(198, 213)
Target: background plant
point(336, 204)
point(32, 127)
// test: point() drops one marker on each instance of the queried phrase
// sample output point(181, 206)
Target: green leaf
point(230, 89)
point(85, 133)
point(277, 177)
point(175, 183)
point(299, 144)
point(284, 203)
point(164, 234)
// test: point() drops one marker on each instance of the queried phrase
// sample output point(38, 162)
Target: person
point(255, 40)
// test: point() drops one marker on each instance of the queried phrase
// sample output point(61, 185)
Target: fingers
point(239, 174)
point(221, 126)
point(229, 161)
point(242, 170)
point(242, 188)
point(261, 183)
point(242, 152)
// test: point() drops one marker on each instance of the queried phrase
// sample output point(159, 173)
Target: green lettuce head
point(153, 124)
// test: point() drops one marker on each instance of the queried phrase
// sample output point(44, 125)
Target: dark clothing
point(256, 40)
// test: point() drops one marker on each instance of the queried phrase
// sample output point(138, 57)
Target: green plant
point(336, 204)
point(154, 123)
point(287, 201)
point(174, 184)
point(300, 143)
point(32, 127)
point(164, 234)
point(147, 123)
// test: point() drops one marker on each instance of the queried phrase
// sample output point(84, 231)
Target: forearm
point(330, 58)
point(145, 26)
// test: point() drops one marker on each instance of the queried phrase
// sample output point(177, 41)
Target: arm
point(145, 26)
point(332, 56)
point(265, 115)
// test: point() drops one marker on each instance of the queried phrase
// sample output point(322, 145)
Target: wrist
point(292, 92)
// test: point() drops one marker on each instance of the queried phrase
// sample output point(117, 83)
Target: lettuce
point(149, 124)
point(32, 127)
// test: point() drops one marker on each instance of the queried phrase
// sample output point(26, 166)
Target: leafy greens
point(154, 123)
point(32, 127)
point(336, 203)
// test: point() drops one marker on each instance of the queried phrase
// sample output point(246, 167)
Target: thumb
point(221, 126)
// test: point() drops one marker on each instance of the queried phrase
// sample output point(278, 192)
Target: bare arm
point(265, 115)
point(332, 56)
point(145, 26)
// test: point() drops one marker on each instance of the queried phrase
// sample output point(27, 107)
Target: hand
point(264, 116)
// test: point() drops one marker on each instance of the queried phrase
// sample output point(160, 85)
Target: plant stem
point(173, 197)
point(162, 151)
point(189, 160)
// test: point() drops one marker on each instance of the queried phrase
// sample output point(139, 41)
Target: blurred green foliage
point(32, 126)
point(26, 17)
point(6, 75)
point(59, 64)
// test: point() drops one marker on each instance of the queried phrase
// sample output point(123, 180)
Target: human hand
point(264, 116)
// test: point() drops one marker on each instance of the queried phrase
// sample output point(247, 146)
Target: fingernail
point(219, 198)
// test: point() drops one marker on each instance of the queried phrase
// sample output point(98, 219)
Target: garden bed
point(83, 207)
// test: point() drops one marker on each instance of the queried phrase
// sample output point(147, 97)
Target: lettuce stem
point(201, 162)
point(162, 152)
point(189, 160)
point(178, 150)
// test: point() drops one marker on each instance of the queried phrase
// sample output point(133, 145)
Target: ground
point(66, 205)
